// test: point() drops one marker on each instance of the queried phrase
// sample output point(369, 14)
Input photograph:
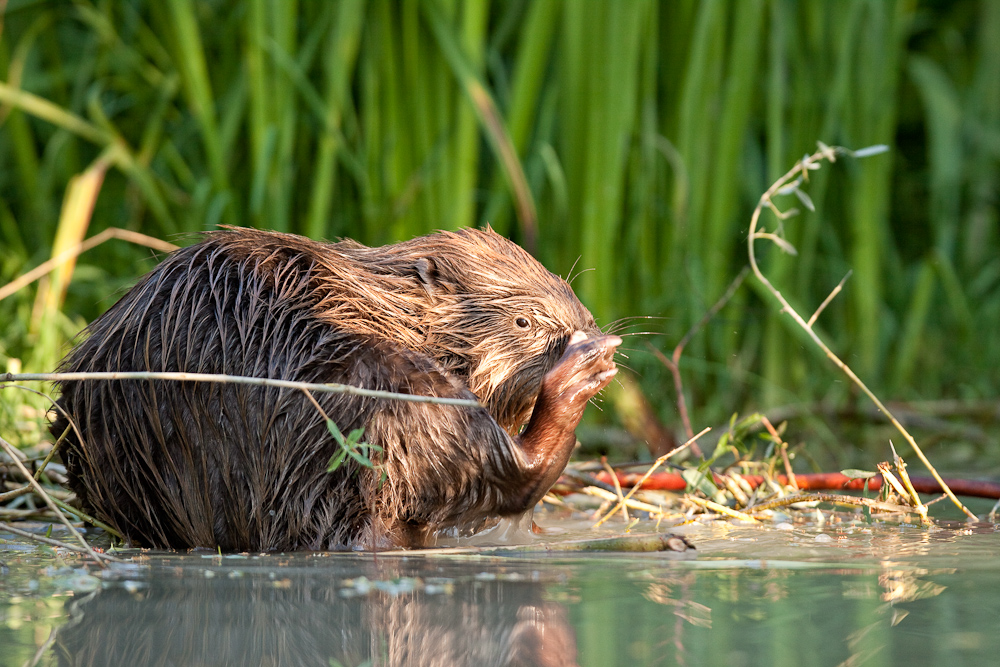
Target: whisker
point(619, 327)
point(628, 321)
point(641, 317)
point(570, 272)
point(582, 271)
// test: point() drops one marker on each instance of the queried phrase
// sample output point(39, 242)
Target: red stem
point(826, 481)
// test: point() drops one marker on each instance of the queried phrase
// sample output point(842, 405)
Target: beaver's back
point(200, 464)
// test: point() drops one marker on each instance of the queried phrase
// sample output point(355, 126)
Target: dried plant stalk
point(236, 379)
point(789, 184)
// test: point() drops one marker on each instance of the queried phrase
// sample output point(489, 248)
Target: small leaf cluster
point(732, 441)
point(352, 447)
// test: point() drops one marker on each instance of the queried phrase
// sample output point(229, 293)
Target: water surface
point(813, 593)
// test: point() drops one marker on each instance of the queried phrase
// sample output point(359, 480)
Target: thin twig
point(720, 509)
point(891, 479)
point(86, 518)
point(678, 387)
point(850, 501)
point(56, 493)
point(618, 487)
point(80, 248)
point(829, 297)
point(911, 493)
point(19, 515)
point(31, 662)
point(10, 495)
point(783, 450)
point(15, 493)
point(656, 464)
point(55, 406)
point(673, 364)
point(806, 164)
point(6, 527)
point(587, 479)
point(48, 501)
point(332, 388)
point(316, 404)
point(629, 502)
point(52, 452)
point(555, 500)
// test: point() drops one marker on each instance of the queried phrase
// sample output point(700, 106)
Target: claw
point(607, 375)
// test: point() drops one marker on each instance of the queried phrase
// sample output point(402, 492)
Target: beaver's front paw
point(585, 368)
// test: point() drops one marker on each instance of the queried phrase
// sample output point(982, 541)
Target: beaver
point(464, 314)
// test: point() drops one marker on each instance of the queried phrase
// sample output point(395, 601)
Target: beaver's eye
point(522, 323)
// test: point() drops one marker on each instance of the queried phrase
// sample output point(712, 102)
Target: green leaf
point(336, 460)
point(699, 481)
point(851, 473)
point(335, 432)
point(877, 149)
point(360, 458)
point(721, 447)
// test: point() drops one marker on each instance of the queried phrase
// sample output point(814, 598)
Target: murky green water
point(809, 595)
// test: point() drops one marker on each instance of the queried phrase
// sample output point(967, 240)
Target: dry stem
point(839, 499)
point(783, 450)
point(53, 543)
point(801, 171)
point(9, 448)
point(629, 502)
point(673, 364)
point(80, 248)
point(618, 488)
point(656, 464)
point(911, 493)
point(236, 379)
point(719, 509)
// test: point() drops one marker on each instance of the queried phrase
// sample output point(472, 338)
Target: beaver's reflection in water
point(314, 617)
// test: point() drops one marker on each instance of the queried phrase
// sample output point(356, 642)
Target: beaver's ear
point(428, 273)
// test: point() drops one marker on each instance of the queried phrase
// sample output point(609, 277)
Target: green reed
point(635, 136)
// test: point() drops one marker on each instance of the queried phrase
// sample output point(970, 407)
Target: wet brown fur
point(180, 464)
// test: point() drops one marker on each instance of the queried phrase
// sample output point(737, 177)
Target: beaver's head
point(497, 317)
